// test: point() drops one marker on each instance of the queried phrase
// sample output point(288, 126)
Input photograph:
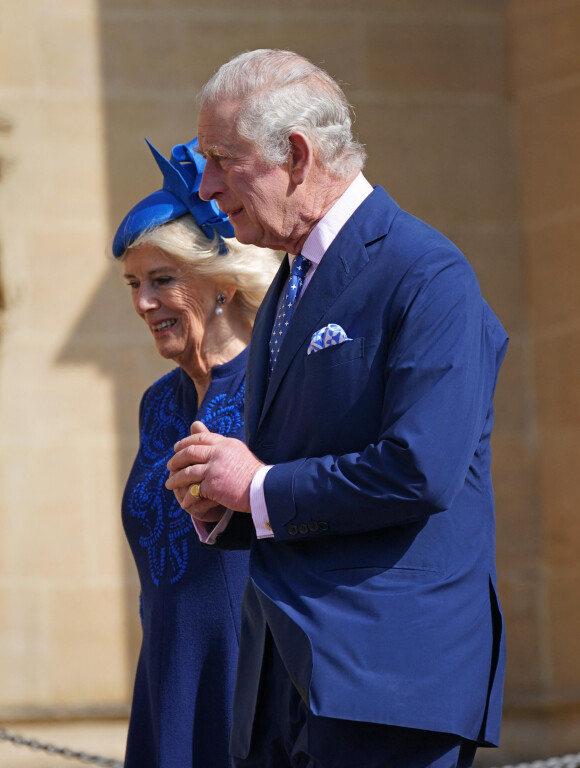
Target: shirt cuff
point(258, 504)
point(208, 532)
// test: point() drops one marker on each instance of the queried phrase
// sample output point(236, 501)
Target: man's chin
point(255, 237)
point(244, 236)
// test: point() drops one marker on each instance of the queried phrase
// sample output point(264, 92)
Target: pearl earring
point(221, 299)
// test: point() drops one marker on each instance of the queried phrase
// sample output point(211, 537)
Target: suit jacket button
point(313, 526)
point(303, 528)
point(292, 530)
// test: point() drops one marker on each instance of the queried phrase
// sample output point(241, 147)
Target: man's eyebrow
point(213, 152)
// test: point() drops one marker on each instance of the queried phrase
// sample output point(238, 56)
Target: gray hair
point(249, 268)
point(280, 92)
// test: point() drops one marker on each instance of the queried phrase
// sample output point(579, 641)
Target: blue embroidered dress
point(190, 595)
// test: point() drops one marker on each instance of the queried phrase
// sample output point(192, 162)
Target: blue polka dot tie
point(293, 287)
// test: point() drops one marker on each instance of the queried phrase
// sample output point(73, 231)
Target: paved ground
point(106, 738)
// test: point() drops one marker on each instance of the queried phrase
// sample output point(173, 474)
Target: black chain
point(51, 749)
point(567, 761)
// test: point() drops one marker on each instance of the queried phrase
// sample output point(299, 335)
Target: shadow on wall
point(111, 337)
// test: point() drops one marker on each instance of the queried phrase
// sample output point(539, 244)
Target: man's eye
point(220, 160)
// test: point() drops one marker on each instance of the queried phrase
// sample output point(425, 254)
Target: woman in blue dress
point(197, 289)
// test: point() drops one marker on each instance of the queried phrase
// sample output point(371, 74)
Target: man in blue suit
point(371, 630)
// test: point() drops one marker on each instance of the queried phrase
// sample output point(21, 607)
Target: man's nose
point(210, 181)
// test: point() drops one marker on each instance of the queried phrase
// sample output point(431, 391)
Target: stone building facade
point(471, 116)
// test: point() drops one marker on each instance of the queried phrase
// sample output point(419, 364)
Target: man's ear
point(301, 157)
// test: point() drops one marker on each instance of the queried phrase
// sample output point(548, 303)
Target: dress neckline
point(229, 368)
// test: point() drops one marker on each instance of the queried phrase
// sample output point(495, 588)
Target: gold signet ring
point(195, 490)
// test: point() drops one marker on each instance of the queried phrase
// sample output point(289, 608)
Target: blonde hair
point(247, 267)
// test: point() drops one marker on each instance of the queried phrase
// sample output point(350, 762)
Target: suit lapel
point(332, 277)
point(257, 368)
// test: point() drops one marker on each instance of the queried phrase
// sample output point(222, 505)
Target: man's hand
point(222, 466)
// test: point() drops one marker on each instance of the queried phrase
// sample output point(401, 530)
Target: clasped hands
point(222, 466)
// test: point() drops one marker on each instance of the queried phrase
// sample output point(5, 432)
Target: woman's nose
point(146, 300)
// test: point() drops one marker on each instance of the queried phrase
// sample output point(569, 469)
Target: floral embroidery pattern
point(167, 528)
point(224, 414)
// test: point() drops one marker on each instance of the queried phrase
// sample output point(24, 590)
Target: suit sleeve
point(439, 348)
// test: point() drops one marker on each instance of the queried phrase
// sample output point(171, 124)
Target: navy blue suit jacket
point(379, 586)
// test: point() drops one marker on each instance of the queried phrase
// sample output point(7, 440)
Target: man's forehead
point(216, 124)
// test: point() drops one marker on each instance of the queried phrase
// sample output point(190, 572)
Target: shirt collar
point(323, 234)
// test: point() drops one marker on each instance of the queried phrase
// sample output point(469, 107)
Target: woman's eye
point(160, 281)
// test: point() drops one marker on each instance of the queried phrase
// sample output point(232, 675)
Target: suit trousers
point(287, 735)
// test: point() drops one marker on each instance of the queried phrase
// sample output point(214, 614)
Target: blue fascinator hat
point(179, 195)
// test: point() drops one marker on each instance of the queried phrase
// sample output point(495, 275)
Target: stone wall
point(470, 113)
point(542, 585)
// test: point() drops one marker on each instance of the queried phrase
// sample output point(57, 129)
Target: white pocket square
point(328, 336)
